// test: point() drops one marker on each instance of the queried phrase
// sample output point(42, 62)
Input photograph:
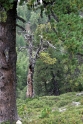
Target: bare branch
point(38, 50)
point(20, 27)
point(26, 36)
point(80, 54)
point(51, 45)
point(22, 48)
point(21, 19)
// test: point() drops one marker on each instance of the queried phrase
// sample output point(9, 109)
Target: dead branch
point(51, 45)
point(40, 48)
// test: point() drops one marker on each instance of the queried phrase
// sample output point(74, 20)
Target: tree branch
point(38, 50)
point(54, 16)
point(51, 45)
point(21, 19)
point(20, 27)
point(22, 48)
point(46, 3)
point(49, 17)
point(80, 54)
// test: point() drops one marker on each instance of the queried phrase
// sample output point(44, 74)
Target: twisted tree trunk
point(32, 61)
point(30, 71)
point(8, 67)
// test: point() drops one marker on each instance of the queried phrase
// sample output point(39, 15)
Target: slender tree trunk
point(8, 111)
point(46, 90)
point(55, 84)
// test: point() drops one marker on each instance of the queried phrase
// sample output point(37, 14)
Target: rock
point(54, 109)
point(18, 122)
point(62, 109)
point(76, 103)
point(79, 94)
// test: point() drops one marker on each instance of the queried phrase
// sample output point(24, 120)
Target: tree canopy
point(61, 30)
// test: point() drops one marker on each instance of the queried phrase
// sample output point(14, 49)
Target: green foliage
point(42, 78)
point(47, 59)
point(22, 70)
point(45, 113)
point(21, 92)
point(34, 20)
point(7, 122)
point(23, 12)
point(45, 110)
point(66, 72)
point(68, 43)
point(5, 5)
point(20, 41)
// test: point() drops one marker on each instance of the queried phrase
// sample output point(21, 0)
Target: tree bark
point(8, 111)
point(32, 62)
point(30, 82)
point(30, 71)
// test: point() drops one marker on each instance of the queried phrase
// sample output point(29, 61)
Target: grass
point(45, 110)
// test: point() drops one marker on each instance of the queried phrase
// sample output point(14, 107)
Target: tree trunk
point(30, 82)
point(8, 111)
point(55, 85)
point(32, 60)
point(31, 68)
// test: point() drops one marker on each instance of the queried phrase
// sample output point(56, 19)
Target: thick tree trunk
point(8, 110)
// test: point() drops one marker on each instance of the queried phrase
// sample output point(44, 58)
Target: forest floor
point(64, 109)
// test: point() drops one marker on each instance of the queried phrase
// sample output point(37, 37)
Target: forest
point(49, 66)
point(58, 65)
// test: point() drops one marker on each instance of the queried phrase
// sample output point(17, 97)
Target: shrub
point(45, 113)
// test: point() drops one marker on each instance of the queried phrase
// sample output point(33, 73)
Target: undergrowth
point(45, 110)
